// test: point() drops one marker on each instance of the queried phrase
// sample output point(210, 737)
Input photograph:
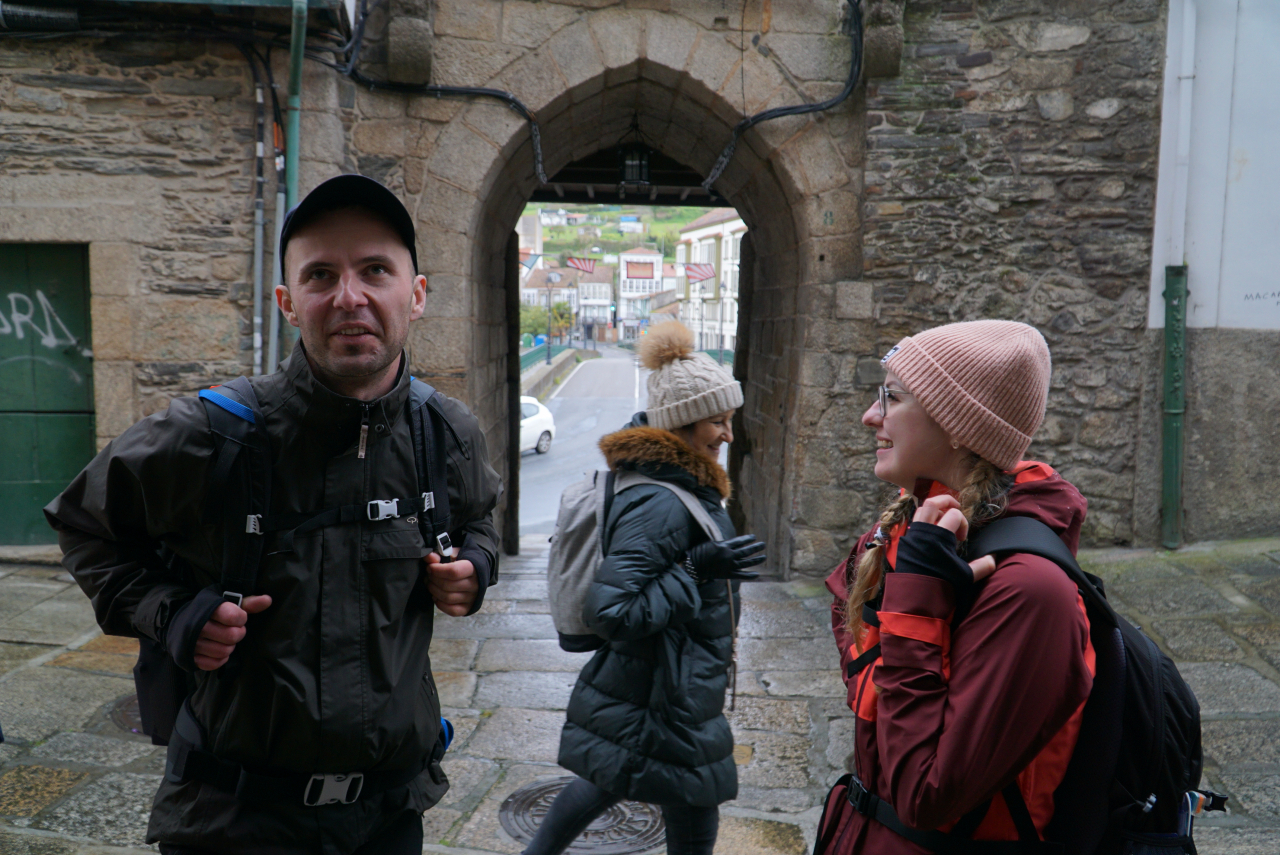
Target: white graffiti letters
point(22, 313)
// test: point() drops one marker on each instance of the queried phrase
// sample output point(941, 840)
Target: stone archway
point(796, 182)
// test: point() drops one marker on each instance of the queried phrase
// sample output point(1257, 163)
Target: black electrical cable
point(855, 72)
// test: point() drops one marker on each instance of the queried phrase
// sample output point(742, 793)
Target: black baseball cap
point(346, 191)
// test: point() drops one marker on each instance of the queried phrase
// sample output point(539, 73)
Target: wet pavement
point(75, 780)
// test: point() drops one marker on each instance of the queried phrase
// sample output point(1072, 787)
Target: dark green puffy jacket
point(646, 717)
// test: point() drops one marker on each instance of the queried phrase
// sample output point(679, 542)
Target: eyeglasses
point(887, 395)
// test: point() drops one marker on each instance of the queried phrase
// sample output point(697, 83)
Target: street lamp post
point(548, 325)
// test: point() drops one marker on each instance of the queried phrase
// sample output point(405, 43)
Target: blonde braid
point(870, 569)
point(982, 497)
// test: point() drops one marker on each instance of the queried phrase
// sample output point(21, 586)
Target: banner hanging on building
point(586, 265)
point(699, 272)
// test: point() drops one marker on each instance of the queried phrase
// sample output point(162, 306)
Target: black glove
point(725, 559)
point(930, 550)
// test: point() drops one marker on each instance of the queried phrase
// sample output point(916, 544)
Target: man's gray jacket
point(334, 676)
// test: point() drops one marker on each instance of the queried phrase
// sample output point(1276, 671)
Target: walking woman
point(646, 719)
point(968, 680)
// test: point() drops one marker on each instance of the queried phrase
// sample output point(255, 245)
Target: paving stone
point(530, 607)
point(530, 689)
point(519, 589)
point(1224, 689)
point(93, 750)
point(464, 724)
point(455, 687)
point(822, 684)
point(14, 655)
point(518, 734)
point(61, 619)
point(1232, 742)
point(112, 644)
point(484, 830)
point(19, 593)
point(1235, 841)
point(780, 620)
point(503, 654)
point(113, 809)
point(28, 714)
point(741, 835)
point(1197, 640)
point(1257, 794)
point(437, 822)
point(466, 774)
point(113, 663)
point(30, 844)
point(27, 790)
point(783, 654)
point(453, 654)
point(1174, 595)
point(1260, 566)
point(497, 626)
point(778, 760)
point(1260, 633)
point(770, 714)
point(1266, 592)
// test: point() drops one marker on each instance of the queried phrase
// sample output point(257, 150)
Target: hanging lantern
point(633, 164)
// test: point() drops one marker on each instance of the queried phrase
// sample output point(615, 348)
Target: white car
point(537, 425)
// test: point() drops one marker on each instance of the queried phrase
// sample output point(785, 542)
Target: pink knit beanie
point(985, 382)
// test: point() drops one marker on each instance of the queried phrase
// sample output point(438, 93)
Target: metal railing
point(539, 354)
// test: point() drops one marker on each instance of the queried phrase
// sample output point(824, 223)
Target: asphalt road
point(600, 397)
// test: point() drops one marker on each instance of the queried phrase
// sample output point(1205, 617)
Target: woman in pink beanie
point(968, 680)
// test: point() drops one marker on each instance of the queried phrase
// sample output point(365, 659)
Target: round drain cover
point(627, 828)
point(126, 715)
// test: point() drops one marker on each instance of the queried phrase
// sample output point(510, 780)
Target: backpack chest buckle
point(384, 509)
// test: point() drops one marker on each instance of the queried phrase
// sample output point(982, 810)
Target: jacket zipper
point(364, 430)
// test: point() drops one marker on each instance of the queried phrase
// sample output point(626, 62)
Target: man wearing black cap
point(314, 724)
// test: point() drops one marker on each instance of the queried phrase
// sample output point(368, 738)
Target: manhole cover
point(126, 715)
point(626, 828)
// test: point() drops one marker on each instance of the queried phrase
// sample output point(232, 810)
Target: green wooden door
point(46, 382)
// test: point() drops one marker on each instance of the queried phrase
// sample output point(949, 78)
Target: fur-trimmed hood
point(652, 445)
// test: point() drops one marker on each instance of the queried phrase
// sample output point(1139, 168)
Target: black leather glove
point(725, 559)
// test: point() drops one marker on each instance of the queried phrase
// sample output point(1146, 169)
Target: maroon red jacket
point(946, 719)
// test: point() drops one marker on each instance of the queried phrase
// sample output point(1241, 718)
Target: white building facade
point(639, 277)
point(710, 307)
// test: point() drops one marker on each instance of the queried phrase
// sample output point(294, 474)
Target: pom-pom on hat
point(684, 386)
point(985, 382)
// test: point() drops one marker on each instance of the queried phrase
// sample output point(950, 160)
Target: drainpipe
point(1175, 302)
point(1175, 404)
point(293, 110)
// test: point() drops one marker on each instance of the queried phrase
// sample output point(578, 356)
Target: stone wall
point(143, 150)
point(1011, 170)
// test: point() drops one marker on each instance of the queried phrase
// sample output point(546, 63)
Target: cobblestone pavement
point(74, 780)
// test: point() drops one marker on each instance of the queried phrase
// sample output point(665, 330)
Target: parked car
point(537, 425)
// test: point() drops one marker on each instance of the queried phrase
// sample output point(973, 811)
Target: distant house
point(664, 306)
point(552, 218)
point(710, 307)
point(630, 224)
point(560, 283)
point(529, 232)
point(595, 297)
point(639, 277)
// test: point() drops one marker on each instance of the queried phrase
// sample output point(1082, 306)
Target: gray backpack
point(576, 548)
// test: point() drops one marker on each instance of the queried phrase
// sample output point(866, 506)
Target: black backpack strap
point(1030, 536)
point(429, 426)
point(239, 494)
point(875, 808)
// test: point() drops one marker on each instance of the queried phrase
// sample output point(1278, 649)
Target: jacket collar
point(647, 445)
point(316, 407)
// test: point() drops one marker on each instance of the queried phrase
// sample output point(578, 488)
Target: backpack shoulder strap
point(429, 425)
point(239, 495)
point(630, 478)
point(1028, 535)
